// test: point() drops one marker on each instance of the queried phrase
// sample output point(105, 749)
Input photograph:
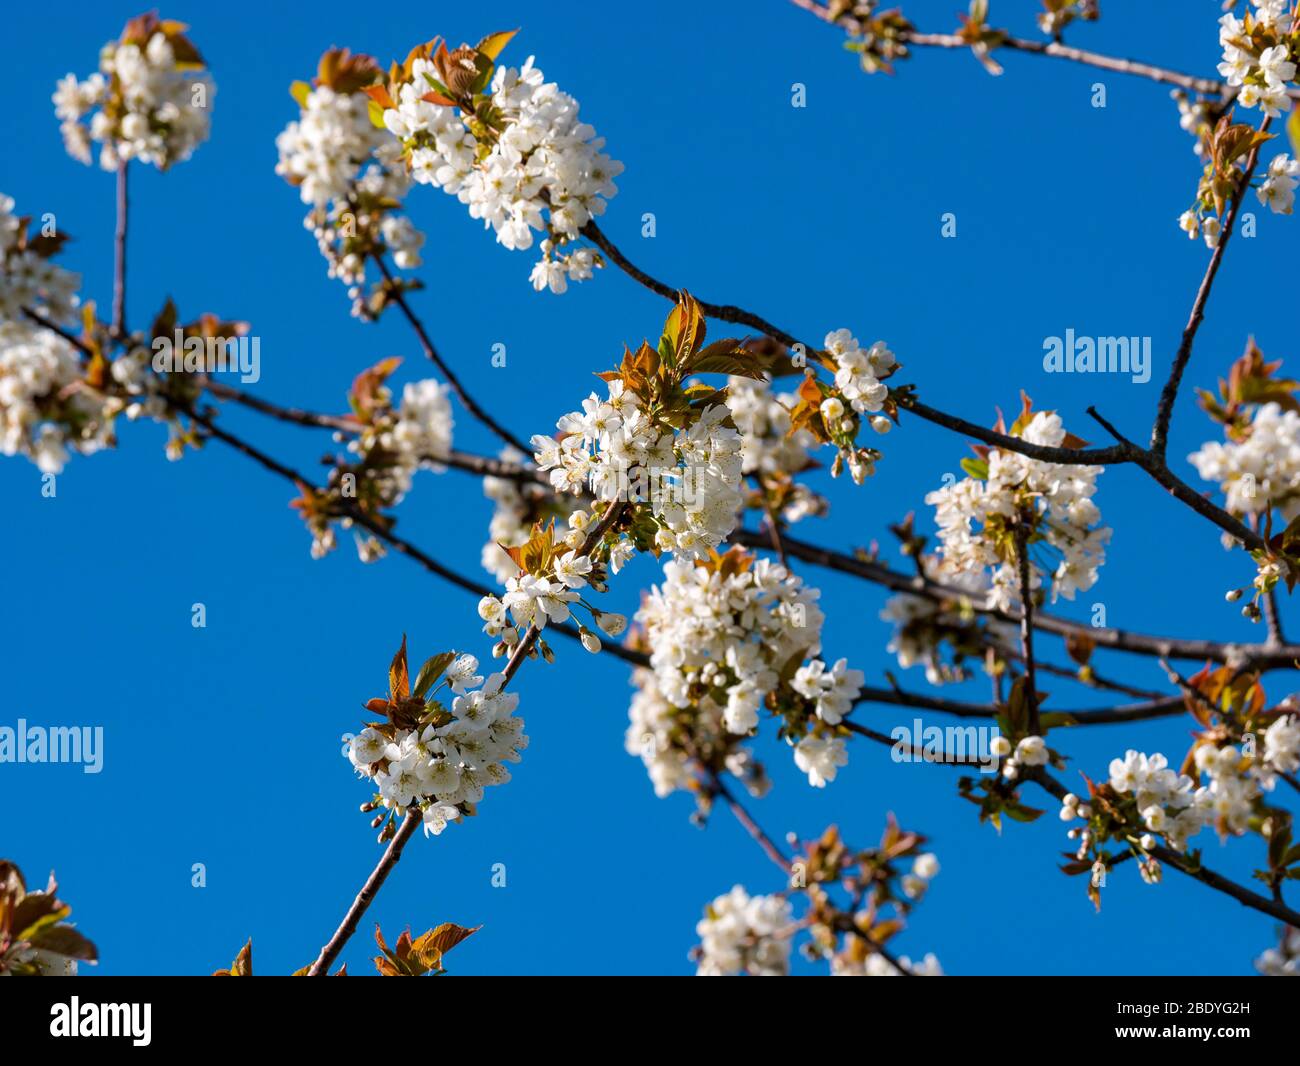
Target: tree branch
point(722, 312)
point(398, 544)
point(118, 329)
point(1027, 623)
point(1182, 864)
point(471, 405)
point(366, 896)
point(1165, 410)
point(1054, 49)
point(1043, 453)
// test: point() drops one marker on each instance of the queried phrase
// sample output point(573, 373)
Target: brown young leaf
point(243, 964)
point(366, 397)
point(1079, 648)
point(379, 94)
point(399, 682)
point(344, 72)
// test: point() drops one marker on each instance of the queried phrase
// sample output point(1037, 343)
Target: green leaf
point(1018, 709)
point(1020, 813)
point(666, 352)
point(300, 90)
point(430, 672)
point(976, 468)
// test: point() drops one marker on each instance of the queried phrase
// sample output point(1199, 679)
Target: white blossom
point(1056, 500)
point(743, 934)
point(542, 170)
point(150, 100)
point(1262, 471)
point(443, 769)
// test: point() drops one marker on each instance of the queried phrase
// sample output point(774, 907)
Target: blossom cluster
point(512, 149)
point(874, 897)
point(726, 631)
point(981, 516)
point(1028, 751)
point(389, 443)
point(431, 758)
point(1257, 55)
point(772, 451)
point(46, 405)
point(1195, 115)
point(1283, 960)
point(29, 280)
point(1168, 802)
point(675, 742)
point(1175, 806)
point(150, 100)
point(1277, 190)
point(415, 434)
point(925, 625)
point(1281, 747)
point(833, 413)
point(744, 934)
point(547, 586)
point(1261, 471)
point(44, 408)
point(1259, 51)
point(351, 175)
point(618, 450)
point(727, 637)
point(518, 506)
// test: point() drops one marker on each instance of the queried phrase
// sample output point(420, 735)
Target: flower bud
point(613, 624)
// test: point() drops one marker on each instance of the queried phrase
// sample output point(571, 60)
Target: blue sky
point(223, 743)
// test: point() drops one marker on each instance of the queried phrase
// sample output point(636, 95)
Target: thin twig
point(1273, 619)
point(722, 312)
point(1053, 49)
point(471, 405)
point(366, 896)
point(1165, 410)
point(1161, 707)
point(1043, 453)
point(716, 785)
point(118, 329)
point(1182, 864)
point(1027, 623)
point(398, 544)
